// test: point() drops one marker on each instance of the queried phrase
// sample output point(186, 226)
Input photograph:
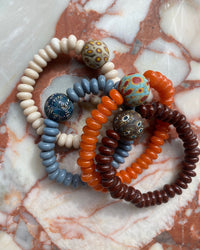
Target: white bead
point(107, 67)
point(62, 139)
point(51, 52)
point(27, 103)
point(39, 131)
point(69, 141)
point(55, 44)
point(116, 79)
point(64, 45)
point(27, 80)
point(25, 88)
point(37, 123)
point(76, 141)
point(35, 66)
point(150, 97)
point(44, 55)
point(71, 42)
point(79, 46)
point(40, 61)
point(31, 73)
point(111, 74)
point(33, 116)
point(24, 95)
point(30, 110)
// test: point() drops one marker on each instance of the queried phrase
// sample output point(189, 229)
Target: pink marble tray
point(36, 213)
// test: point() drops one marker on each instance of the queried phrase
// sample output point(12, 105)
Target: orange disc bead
point(88, 139)
point(161, 134)
point(151, 153)
point(155, 148)
point(98, 116)
point(90, 131)
point(131, 172)
point(95, 180)
point(156, 140)
point(146, 158)
point(104, 110)
point(87, 147)
point(93, 124)
point(84, 163)
point(88, 170)
point(108, 103)
point(116, 96)
point(142, 163)
point(86, 155)
point(86, 177)
point(125, 176)
point(136, 168)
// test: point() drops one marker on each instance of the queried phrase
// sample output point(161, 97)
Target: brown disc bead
point(189, 173)
point(142, 110)
point(191, 159)
point(152, 198)
point(192, 152)
point(181, 121)
point(169, 117)
point(188, 165)
point(165, 197)
point(141, 203)
point(181, 184)
point(131, 194)
point(176, 189)
point(109, 142)
point(158, 197)
point(107, 183)
point(109, 174)
point(106, 151)
point(184, 128)
point(185, 178)
point(103, 159)
point(165, 113)
point(191, 145)
point(158, 109)
point(189, 139)
point(116, 185)
point(176, 117)
point(112, 134)
point(119, 193)
point(137, 197)
point(169, 190)
point(125, 191)
point(147, 200)
point(151, 111)
point(102, 168)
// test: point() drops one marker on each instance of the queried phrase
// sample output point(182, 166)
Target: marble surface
point(36, 213)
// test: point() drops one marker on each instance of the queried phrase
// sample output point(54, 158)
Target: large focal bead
point(134, 88)
point(128, 124)
point(95, 54)
point(58, 107)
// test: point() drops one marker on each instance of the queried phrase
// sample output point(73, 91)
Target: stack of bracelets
point(132, 93)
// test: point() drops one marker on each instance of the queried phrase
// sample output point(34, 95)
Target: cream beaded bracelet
point(95, 55)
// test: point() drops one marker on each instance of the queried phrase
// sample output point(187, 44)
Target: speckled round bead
point(134, 88)
point(58, 107)
point(95, 54)
point(128, 124)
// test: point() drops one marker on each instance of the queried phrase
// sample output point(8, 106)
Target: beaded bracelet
point(94, 54)
point(121, 191)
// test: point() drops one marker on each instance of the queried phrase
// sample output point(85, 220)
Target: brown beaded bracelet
point(122, 191)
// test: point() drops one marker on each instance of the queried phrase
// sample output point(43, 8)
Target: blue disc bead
point(124, 147)
point(85, 85)
point(60, 178)
point(118, 158)
point(58, 107)
point(68, 179)
point(94, 86)
point(53, 175)
point(108, 87)
point(49, 162)
point(47, 138)
point(79, 90)
point(51, 131)
point(115, 164)
point(52, 168)
point(76, 180)
point(46, 146)
point(72, 95)
point(46, 155)
point(121, 152)
point(101, 82)
point(51, 124)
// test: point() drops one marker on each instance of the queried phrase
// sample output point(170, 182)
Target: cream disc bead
point(62, 139)
point(31, 73)
point(27, 80)
point(51, 52)
point(33, 116)
point(76, 141)
point(40, 61)
point(24, 95)
point(25, 87)
point(38, 122)
point(30, 110)
point(111, 74)
point(107, 67)
point(116, 79)
point(64, 45)
point(27, 103)
point(69, 141)
point(39, 131)
point(35, 67)
point(44, 55)
point(55, 44)
point(72, 42)
point(79, 46)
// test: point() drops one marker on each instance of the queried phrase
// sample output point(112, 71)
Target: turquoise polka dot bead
point(134, 88)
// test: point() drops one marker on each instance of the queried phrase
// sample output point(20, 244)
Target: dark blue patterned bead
point(68, 179)
point(46, 146)
point(58, 107)
point(51, 124)
point(118, 158)
point(60, 178)
point(94, 86)
point(51, 131)
point(125, 147)
point(52, 168)
point(78, 89)
point(49, 161)
point(121, 152)
point(72, 95)
point(76, 180)
point(47, 138)
point(46, 155)
point(54, 174)
point(115, 164)
point(101, 82)
point(108, 87)
point(85, 85)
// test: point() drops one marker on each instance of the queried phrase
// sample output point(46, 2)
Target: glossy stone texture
point(58, 107)
point(128, 124)
point(95, 54)
point(134, 88)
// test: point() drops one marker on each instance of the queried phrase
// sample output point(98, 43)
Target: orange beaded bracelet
point(105, 109)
